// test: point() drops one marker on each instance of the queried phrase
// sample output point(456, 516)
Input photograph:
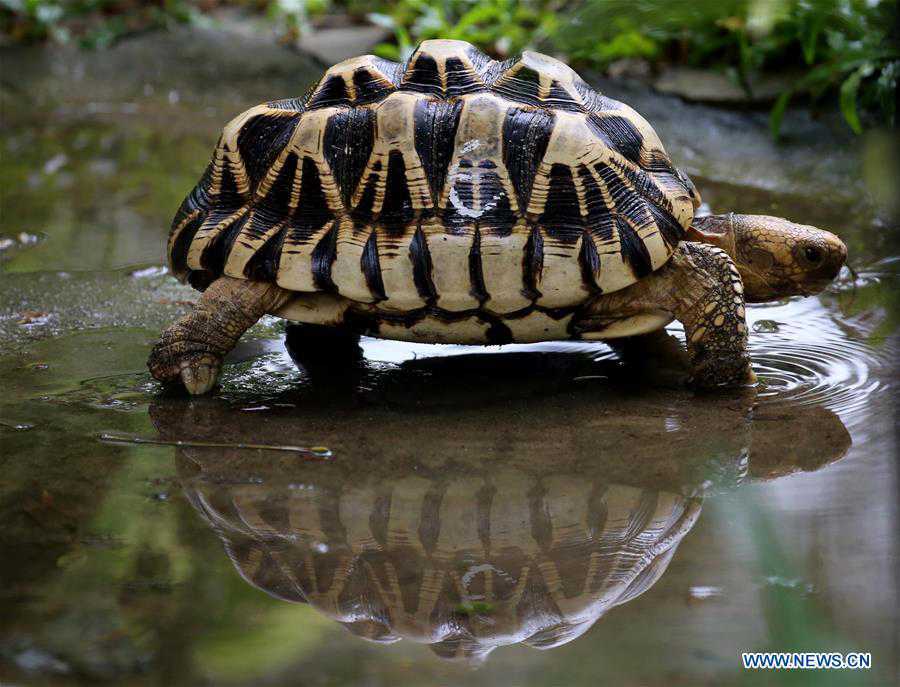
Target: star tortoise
point(457, 199)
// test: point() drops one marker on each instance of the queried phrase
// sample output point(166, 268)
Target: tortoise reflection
point(472, 525)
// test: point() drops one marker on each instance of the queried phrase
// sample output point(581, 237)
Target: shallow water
point(473, 504)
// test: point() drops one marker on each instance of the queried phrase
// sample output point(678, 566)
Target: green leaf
point(389, 51)
point(849, 95)
point(477, 15)
point(777, 113)
point(849, 92)
point(810, 38)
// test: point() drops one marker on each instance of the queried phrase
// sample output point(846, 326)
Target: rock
point(629, 68)
point(816, 158)
point(334, 44)
point(704, 85)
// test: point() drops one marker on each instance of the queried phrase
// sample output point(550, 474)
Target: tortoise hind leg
point(700, 287)
point(324, 351)
point(658, 355)
point(192, 349)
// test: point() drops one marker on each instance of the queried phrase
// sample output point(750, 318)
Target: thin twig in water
point(314, 451)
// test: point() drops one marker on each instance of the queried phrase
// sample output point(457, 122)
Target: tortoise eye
point(812, 254)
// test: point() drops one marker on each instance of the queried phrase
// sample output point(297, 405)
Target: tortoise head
point(776, 258)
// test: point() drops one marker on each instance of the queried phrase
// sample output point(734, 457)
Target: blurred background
point(751, 51)
point(112, 571)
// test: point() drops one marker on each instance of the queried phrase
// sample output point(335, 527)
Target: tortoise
point(457, 199)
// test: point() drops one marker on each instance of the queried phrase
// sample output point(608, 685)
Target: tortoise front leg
point(708, 299)
point(193, 348)
point(700, 287)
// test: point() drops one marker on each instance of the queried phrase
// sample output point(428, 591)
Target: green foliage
point(844, 46)
point(93, 23)
point(847, 48)
point(844, 49)
point(293, 16)
point(501, 27)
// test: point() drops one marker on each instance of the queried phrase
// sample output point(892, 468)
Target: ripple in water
point(816, 359)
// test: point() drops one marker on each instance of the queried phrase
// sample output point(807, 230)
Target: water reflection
point(519, 514)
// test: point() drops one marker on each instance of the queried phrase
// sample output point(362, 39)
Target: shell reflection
point(471, 525)
point(464, 565)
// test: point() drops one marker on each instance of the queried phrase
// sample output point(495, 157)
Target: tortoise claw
point(199, 376)
point(198, 371)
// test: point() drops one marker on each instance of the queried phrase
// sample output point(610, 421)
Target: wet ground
point(476, 505)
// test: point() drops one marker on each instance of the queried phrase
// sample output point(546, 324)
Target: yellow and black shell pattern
point(453, 182)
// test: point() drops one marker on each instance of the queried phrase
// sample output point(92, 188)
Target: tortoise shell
point(452, 183)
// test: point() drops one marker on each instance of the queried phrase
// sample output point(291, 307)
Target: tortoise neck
point(716, 230)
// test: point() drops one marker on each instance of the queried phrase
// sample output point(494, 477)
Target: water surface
point(545, 514)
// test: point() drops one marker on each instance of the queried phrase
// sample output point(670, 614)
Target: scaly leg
point(700, 287)
point(193, 348)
